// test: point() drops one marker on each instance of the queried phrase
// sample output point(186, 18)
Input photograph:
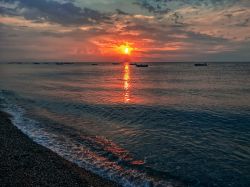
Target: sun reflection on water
point(126, 84)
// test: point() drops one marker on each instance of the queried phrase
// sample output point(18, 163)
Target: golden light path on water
point(126, 84)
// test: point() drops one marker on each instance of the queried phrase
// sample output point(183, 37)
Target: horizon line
point(195, 61)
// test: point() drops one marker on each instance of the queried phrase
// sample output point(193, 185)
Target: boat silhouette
point(200, 64)
point(141, 65)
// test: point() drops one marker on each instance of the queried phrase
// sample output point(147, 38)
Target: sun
point(125, 49)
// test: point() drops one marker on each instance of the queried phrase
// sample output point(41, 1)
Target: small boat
point(200, 64)
point(59, 63)
point(133, 64)
point(141, 65)
point(94, 64)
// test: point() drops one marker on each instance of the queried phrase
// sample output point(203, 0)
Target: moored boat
point(200, 64)
point(141, 65)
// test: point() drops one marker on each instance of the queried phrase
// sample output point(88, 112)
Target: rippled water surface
point(171, 124)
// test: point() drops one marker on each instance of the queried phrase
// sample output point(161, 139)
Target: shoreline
point(26, 163)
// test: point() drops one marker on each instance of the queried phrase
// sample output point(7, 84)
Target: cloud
point(165, 6)
point(51, 11)
point(158, 29)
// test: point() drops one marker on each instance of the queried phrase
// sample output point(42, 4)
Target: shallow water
point(171, 124)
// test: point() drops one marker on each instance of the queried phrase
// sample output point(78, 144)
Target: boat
point(59, 63)
point(200, 64)
point(94, 64)
point(64, 63)
point(141, 65)
point(133, 64)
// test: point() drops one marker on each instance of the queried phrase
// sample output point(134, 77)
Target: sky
point(93, 30)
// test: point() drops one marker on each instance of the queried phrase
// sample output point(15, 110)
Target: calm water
point(171, 124)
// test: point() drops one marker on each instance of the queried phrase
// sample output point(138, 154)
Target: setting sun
point(125, 49)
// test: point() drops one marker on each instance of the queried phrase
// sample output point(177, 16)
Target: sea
point(168, 124)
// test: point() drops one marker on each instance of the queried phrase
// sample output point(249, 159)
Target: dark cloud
point(120, 12)
point(155, 6)
point(55, 12)
point(194, 36)
point(164, 6)
point(163, 33)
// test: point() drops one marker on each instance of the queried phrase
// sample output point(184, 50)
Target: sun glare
point(125, 49)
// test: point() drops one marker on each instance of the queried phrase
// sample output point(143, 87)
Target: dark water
point(171, 124)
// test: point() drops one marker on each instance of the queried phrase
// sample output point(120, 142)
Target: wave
point(94, 153)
